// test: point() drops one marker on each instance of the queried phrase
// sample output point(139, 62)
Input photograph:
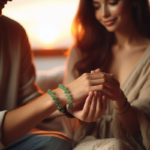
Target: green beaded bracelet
point(67, 95)
point(55, 100)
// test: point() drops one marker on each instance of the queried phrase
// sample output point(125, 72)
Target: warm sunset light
point(47, 22)
point(47, 33)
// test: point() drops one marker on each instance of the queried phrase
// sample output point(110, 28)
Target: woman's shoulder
point(74, 53)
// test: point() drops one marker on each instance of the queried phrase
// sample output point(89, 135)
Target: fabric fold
point(137, 90)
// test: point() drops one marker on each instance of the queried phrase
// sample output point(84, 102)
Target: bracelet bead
point(67, 95)
point(55, 101)
point(66, 113)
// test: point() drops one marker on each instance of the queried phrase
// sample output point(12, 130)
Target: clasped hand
point(91, 108)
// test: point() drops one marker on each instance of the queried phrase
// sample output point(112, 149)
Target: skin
point(92, 108)
point(106, 10)
point(127, 49)
point(20, 121)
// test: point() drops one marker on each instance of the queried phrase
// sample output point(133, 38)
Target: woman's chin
point(111, 28)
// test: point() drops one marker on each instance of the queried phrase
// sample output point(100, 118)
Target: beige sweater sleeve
point(142, 105)
point(2, 114)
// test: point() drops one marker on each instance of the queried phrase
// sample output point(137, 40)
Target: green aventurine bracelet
point(67, 95)
point(55, 100)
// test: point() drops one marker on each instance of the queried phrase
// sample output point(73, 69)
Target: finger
point(109, 77)
point(108, 82)
point(104, 105)
point(111, 97)
point(113, 81)
point(93, 72)
point(104, 101)
point(100, 104)
point(92, 108)
point(103, 89)
point(99, 107)
point(103, 81)
point(98, 70)
point(90, 93)
point(99, 75)
point(87, 104)
point(112, 75)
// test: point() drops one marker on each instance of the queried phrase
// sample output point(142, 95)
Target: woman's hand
point(87, 82)
point(110, 87)
point(91, 109)
point(113, 90)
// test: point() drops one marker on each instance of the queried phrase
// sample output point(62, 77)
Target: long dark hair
point(94, 41)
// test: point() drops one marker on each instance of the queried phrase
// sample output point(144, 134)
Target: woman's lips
point(110, 22)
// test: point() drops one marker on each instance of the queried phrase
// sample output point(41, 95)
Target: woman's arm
point(127, 116)
point(125, 112)
point(142, 105)
point(111, 88)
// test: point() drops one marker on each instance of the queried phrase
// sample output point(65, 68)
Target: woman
point(114, 35)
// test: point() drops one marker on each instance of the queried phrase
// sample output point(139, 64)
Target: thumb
point(96, 71)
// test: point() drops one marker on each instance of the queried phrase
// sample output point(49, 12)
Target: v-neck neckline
point(139, 62)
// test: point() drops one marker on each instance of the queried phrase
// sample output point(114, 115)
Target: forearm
point(20, 121)
point(55, 114)
point(127, 116)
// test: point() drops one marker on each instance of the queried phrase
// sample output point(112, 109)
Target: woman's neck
point(129, 36)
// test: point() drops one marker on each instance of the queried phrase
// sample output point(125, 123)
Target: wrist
point(61, 97)
point(67, 112)
point(121, 102)
point(67, 93)
point(75, 93)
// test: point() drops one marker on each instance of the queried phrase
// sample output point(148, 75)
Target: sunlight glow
point(47, 22)
point(47, 33)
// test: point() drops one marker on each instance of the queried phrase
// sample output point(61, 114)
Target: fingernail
point(90, 93)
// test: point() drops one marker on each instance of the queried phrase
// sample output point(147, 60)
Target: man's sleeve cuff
point(2, 116)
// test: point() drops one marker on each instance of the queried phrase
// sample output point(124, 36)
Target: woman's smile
point(110, 22)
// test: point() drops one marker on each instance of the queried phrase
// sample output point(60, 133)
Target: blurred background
point(48, 25)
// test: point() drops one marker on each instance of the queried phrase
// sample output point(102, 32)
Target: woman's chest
point(122, 64)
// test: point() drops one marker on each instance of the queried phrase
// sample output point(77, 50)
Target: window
point(47, 22)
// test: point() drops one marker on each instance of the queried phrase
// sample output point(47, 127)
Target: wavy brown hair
point(94, 41)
